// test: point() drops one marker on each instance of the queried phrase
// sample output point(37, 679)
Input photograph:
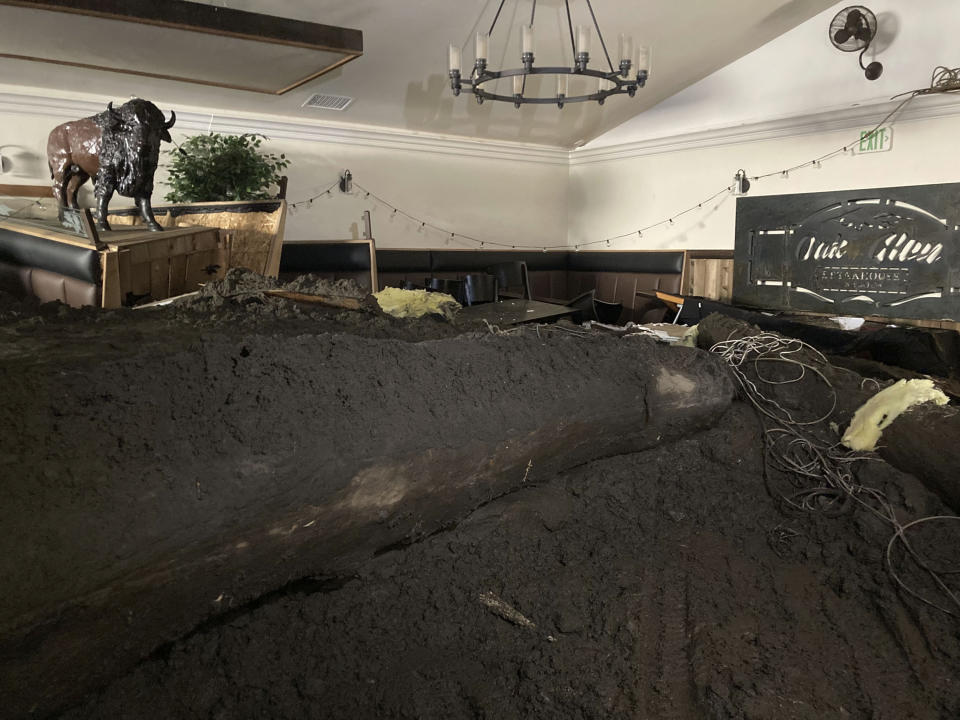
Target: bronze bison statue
point(119, 148)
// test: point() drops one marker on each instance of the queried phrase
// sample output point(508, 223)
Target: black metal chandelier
point(632, 73)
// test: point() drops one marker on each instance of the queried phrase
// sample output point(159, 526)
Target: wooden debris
point(348, 303)
point(505, 611)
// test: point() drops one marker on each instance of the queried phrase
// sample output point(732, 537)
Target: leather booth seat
point(21, 281)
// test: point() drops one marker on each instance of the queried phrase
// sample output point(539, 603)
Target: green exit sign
point(878, 140)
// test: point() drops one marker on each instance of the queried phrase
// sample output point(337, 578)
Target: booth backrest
point(555, 276)
point(82, 263)
point(342, 260)
point(49, 270)
point(395, 267)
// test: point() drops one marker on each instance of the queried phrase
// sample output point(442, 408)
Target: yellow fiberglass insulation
point(416, 303)
point(884, 407)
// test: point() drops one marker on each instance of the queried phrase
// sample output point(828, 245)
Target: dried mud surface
point(663, 584)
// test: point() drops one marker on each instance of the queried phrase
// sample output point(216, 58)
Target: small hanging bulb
point(785, 174)
point(671, 221)
point(817, 164)
point(608, 243)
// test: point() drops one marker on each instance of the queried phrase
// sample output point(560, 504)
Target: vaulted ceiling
point(401, 79)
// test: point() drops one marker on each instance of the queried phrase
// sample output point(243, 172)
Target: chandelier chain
point(496, 17)
point(603, 43)
point(573, 42)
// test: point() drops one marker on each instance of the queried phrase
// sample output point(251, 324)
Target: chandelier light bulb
point(518, 84)
point(482, 45)
point(454, 58)
point(583, 39)
point(561, 85)
point(643, 59)
point(626, 47)
point(526, 32)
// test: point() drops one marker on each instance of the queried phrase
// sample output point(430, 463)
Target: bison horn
point(110, 109)
point(171, 121)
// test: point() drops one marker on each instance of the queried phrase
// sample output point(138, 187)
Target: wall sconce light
point(741, 185)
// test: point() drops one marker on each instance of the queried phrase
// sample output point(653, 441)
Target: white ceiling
point(802, 74)
point(401, 81)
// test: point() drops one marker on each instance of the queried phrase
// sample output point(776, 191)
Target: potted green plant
point(215, 167)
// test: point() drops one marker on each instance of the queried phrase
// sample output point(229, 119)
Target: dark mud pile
point(669, 583)
point(663, 584)
point(159, 472)
point(237, 302)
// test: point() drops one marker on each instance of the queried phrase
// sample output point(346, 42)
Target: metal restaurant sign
point(891, 252)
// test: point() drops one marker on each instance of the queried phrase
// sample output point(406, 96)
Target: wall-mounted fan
point(852, 30)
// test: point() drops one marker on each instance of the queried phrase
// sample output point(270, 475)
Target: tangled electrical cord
point(821, 472)
point(942, 80)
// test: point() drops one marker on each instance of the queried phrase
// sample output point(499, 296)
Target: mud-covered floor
point(663, 584)
point(671, 583)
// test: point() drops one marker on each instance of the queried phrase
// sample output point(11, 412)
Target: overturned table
point(515, 312)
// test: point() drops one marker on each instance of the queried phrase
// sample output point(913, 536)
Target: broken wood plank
point(348, 303)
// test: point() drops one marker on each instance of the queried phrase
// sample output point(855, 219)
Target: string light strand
point(944, 80)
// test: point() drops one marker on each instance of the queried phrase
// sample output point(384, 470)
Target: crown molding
point(63, 108)
point(923, 108)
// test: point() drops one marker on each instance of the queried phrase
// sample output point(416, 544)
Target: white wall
point(617, 196)
point(754, 114)
point(497, 192)
point(788, 102)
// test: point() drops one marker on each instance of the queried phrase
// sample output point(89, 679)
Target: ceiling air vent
point(328, 102)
